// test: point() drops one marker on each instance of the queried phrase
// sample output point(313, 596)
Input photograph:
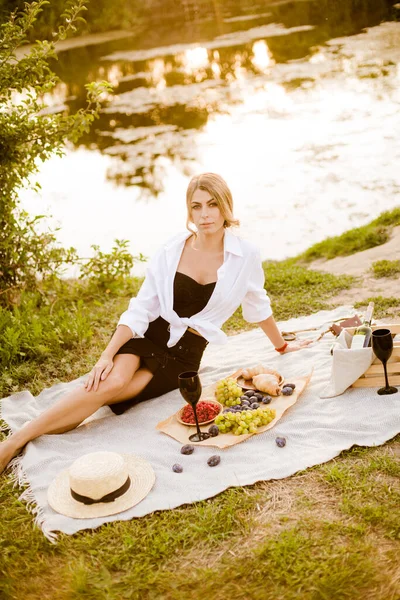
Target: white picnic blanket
point(316, 430)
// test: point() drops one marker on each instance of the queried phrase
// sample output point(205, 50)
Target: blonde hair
point(218, 189)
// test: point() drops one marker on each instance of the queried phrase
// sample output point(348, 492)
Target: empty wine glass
point(190, 388)
point(382, 345)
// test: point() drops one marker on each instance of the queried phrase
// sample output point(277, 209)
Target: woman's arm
point(121, 335)
point(104, 365)
point(256, 307)
point(270, 328)
point(143, 309)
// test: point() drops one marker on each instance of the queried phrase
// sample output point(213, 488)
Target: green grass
point(361, 238)
point(294, 291)
point(383, 305)
point(376, 497)
point(386, 268)
point(296, 563)
point(327, 533)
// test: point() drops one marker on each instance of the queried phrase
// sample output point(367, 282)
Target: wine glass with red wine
point(190, 388)
point(382, 345)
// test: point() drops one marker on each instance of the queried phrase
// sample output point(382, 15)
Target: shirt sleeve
point(145, 307)
point(256, 305)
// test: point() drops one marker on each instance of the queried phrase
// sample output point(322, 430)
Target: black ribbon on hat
point(107, 498)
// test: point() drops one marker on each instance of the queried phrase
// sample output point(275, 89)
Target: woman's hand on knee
point(100, 372)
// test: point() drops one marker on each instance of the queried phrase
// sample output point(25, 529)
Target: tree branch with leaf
point(29, 136)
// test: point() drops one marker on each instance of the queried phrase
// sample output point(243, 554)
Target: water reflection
point(285, 100)
point(175, 88)
point(195, 61)
point(179, 91)
point(262, 57)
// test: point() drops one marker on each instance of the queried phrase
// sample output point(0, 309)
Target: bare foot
point(7, 452)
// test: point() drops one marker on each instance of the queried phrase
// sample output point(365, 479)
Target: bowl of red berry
point(206, 411)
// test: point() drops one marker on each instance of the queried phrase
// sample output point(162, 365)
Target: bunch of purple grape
point(288, 389)
point(250, 400)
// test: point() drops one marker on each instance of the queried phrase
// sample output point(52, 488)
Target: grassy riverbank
point(375, 233)
point(330, 532)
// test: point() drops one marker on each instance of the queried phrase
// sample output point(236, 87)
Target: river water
point(296, 104)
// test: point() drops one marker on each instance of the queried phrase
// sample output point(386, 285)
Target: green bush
point(386, 268)
point(388, 218)
point(27, 136)
point(110, 270)
point(57, 333)
point(102, 15)
point(39, 327)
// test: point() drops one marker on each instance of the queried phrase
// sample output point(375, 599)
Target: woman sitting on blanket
point(194, 283)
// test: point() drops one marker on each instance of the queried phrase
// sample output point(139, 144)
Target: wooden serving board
point(280, 404)
point(374, 376)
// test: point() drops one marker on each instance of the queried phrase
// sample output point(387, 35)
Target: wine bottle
point(363, 333)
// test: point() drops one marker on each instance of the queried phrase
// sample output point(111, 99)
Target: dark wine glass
point(190, 388)
point(382, 345)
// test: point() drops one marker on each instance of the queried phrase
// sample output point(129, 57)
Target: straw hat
point(100, 484)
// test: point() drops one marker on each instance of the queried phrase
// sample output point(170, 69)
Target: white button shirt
point(240, 281)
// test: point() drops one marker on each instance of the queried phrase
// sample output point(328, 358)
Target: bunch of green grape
point(227, 392)
point(245, 421)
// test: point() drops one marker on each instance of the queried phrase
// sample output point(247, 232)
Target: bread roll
point(268, 383)
point(258, 370)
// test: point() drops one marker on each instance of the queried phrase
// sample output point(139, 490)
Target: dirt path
point(359, 265)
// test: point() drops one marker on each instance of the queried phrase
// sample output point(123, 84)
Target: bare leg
point(73, 408)
point(138, 382)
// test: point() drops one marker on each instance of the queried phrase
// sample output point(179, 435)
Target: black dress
point(190, 297)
